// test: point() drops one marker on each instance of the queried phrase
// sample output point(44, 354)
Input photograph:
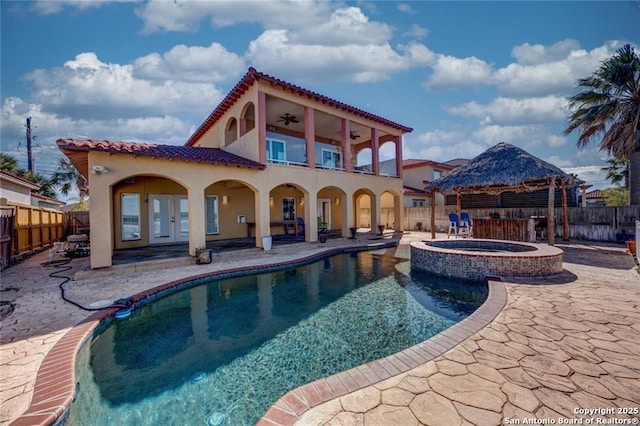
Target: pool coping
point(288, 409)
point(55, 387)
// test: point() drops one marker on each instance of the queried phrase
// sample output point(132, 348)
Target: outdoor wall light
point(225, 199)
point(98, 170)
point(271, 201)
point(302, 201)
point(337, 200)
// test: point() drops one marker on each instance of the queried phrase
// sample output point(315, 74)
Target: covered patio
point(502, 168)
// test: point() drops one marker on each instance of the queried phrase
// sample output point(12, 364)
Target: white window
point(417, 202)
point(130, 216)
point(437, 174)
point(288, 208)
point(211, 214)
point(276, 150)
point(331, 159)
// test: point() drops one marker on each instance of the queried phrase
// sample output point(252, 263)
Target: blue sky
point(464, 75)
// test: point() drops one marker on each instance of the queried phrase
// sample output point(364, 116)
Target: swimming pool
point(224, 351)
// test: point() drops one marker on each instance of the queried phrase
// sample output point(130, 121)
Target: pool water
point(223, 352)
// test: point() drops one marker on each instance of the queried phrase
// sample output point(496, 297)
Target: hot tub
point(477, 259)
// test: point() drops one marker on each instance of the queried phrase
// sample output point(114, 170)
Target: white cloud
point(441, 145)
point(405, 8)
point(592, 175)
point(559, 161)
point(274, 51)
point(49, 7)
point(451, 73)
point(553, 70)
point(160, 15)
point(89, 88)
point(514, 111)
point(416, 31)
point(190, 63)
point(530, 54)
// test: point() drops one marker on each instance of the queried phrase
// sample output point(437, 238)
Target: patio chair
point(465, 220)
point(301, 225)
point(457, 228)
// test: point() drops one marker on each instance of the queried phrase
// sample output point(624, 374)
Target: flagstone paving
point(561, 344)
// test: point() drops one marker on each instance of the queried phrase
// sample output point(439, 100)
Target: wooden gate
point(6, 236)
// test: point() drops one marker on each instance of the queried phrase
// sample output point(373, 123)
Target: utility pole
point(30, 164)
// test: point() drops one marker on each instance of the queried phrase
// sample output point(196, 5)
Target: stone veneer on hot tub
point(476, 259)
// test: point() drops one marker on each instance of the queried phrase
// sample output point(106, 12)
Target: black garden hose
point(62, 266)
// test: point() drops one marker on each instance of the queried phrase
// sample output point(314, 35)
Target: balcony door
point(168, 218)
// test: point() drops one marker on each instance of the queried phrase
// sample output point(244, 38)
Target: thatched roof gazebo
point(503, 168)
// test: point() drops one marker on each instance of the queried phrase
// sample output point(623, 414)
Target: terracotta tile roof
point(594, 194)
point(253, 75)
point(186, 153)
point(415, 162)
point(19, 180)
point(412, 190)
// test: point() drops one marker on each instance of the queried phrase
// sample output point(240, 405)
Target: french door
point(168, 218)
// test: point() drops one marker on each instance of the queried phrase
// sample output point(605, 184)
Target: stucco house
point(271, 156)
point(17, 190)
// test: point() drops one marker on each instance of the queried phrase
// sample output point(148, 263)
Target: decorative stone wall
point(476, 259)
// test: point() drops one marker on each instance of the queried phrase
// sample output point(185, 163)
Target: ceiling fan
point(353, 135)
point(288, 119)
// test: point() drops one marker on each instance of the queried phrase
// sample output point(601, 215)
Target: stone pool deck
point(560, 344)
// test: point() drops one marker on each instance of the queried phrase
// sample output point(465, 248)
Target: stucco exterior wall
point(248, 191)
point(15, 193)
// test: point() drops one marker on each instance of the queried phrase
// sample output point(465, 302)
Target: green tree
point(607, 106)
point(615, 197)
point(618, 172)
point(67, 177)
point(10, 164)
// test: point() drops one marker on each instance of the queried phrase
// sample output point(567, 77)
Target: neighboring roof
point(253, 75)
point(48, 199)
point(456, 162)
point(409, 190)
point(414, 162)
point(503, 167)
point(172, 152)
point(595, 194)
point(10, 177)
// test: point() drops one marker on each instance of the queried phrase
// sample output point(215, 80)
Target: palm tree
point(609, 107)
point(10, 164)
point(67, 177)
point(618, 171)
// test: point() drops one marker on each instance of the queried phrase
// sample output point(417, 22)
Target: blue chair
point(457, 228)
point(465, 220)
point(301, 225)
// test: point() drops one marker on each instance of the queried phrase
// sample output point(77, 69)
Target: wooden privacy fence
point(76, 222)
point(586, 223)
point(35, 228)
point(6, 235)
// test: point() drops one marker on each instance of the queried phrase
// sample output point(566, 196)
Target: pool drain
point(198, 376)
point(216, 419)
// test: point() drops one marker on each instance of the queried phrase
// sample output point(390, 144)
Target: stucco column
point(311, 213)
point(310, 136)
point(375, 155)
point(398, 212)
point(348, 219)
point(263, 217)
point(346, 144)
point(101, 217)
point(197, 229)
point(375, 212)
point(398, 141)
point(262, 128)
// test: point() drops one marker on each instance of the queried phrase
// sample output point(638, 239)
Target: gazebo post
point(550, 214)
point(433, 215)
point(565, 214)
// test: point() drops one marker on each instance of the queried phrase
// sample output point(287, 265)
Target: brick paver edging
point(288, 409)
point(55, 386)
